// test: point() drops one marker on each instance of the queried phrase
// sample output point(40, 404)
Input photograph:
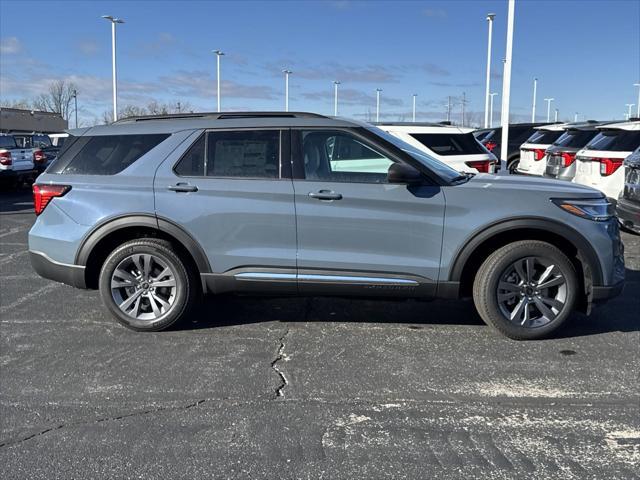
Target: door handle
point(182, 187)
point(326, 195)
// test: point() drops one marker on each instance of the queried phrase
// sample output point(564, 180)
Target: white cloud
point(10, 46)
point(88, 47)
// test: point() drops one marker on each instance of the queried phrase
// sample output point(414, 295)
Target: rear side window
point(615, 141)
point(7, 142)
point(239, 154)
point(105, 154)
point(575, 138)
point(544, 137)
point(450, 144)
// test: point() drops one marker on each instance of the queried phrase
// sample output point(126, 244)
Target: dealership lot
point(308, 387)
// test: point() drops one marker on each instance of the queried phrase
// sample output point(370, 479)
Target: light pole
point(335, 97)
point(449, 108)
point(533, 106)
point(490, 17)
point(218, 53)
point(414, 107)
point(464, 102)
point(638, 85)
point(629, 105)
point(286, 88)
point(491, 109)
point(378, 90)
point(75, 105)
point(555, 119)
point(113, 21)
point(549, 100)
point(575, 117)
point(506, 86)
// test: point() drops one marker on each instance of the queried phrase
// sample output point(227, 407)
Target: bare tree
point(58, 99)
point(23, 104)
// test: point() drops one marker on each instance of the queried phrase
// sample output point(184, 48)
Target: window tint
point(251, 153)
point(7, 142)
point(108, 154)
point(192, 163)
point(341, 157)
point(575, 138)
point(616, 140)
point(544, 137)
point(41, 141)
point(450, 144)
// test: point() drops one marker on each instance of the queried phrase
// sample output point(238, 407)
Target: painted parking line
point(41, 291)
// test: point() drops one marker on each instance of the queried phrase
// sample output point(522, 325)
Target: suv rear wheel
point(526, 289)
point(146, 285)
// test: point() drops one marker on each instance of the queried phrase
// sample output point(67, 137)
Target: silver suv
point(155, 211)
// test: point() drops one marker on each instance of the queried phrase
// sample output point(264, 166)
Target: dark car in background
point(628, 206)
point(491, 138)
point(561, 156)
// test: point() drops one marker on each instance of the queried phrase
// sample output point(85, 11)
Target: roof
point(635, 125)
point(422, 127)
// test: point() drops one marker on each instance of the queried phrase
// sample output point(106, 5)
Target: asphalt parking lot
point(308, 387)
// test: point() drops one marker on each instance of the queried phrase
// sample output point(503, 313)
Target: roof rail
point(221, 116)
point(413, 124)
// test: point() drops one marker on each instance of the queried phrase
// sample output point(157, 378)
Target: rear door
point(230, 193)
point(357, 233)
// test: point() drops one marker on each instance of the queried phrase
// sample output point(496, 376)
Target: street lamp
point(575, 117)
point(218, 55)
point(113, 21)
point(555, 119)
point(75, 105)
point(638, 85)
point(286, 88)
point(491, 109)
point(533, 106)
point(490, 18)
point(414, 106)
point(335, 97)
point(378, 90)
point(549, 100)
point(629, 105)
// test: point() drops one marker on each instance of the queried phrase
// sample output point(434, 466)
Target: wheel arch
point(98, 243)
point(476, 249)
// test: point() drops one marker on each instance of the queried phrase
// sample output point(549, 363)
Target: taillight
point(5, 158)
point(608, 166)
point(568, 158)
point(483, 166)
point(539, 153)
point(39, 156)
point(490, 145)
point(43, 194)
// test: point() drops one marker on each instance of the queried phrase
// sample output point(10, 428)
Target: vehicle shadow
point(16, 200)
point(619, 315)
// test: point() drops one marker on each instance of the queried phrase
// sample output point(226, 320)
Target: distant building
point(16, 120)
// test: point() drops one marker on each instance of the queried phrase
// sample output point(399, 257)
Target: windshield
point(442, 169)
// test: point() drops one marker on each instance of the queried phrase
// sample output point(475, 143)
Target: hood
point(518, 183)
point(633, 160)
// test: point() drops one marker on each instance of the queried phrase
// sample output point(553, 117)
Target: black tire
point(512, 165)
point(492, 271)
point(183, 298)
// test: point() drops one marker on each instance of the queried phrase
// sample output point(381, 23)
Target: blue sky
point(586, 54)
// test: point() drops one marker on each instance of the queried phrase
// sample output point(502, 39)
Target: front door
point(229, 192)
point(356, 232)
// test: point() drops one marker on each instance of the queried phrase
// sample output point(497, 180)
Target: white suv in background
point(455, 146)
point(533, 152)
point(599, 163)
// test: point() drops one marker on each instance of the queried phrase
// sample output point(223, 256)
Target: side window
point(192, 163)
point(341, 157)
point(249, 153)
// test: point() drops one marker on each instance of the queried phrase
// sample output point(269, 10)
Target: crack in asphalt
point(274, 365)
point(7, 443)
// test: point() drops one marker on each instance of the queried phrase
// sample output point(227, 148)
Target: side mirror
point(405, 174)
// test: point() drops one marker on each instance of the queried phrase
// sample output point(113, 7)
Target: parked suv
point(598, 164)
point(154, 211)
point(533, 152)
point(17, 164)
point(561, 155)
point(491, 138)
point(455, 146)
point(628, 208)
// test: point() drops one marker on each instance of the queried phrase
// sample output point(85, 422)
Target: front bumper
point(60, 272)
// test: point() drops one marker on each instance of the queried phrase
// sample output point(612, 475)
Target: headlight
point(596, 209)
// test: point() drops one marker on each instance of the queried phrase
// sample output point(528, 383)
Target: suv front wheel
point(526, 289)
point(146, 285)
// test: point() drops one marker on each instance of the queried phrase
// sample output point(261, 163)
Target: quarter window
point(341, 157)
